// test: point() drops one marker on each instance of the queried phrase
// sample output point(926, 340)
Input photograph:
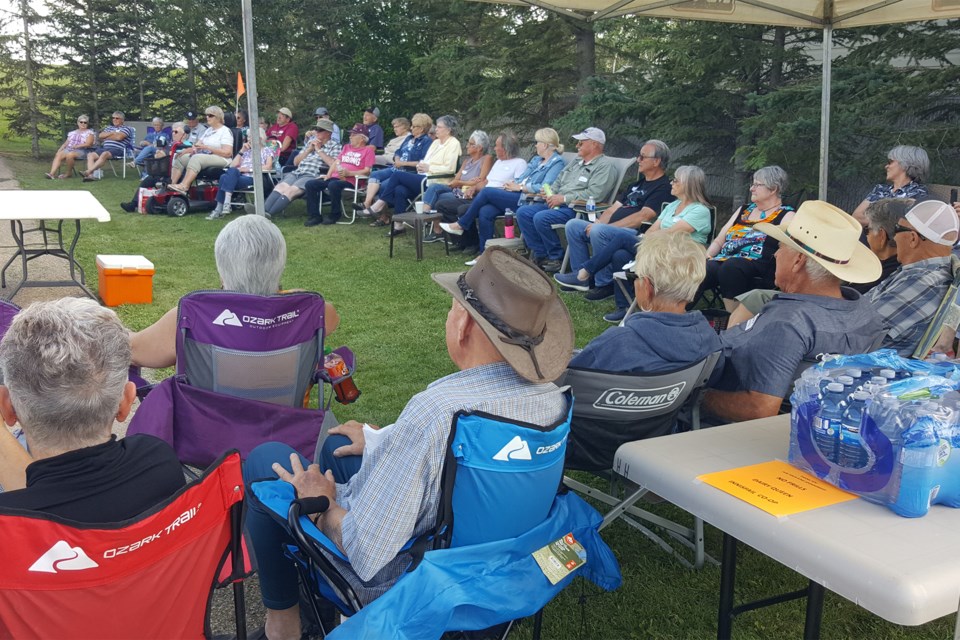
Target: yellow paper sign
point(777, 487)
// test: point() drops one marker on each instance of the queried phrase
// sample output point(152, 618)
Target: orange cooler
point(125, 280)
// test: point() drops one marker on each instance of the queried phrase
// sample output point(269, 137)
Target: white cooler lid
point(123, 262)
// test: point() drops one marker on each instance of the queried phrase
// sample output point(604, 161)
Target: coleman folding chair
point(613, 409)
point(148, 577)
point(474, 569)
point(246, 366)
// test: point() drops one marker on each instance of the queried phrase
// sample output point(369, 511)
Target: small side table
point(417, 221)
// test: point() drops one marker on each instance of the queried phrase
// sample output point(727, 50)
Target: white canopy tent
point(817, 14)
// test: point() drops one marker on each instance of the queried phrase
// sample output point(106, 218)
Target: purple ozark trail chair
point(7, 311)
point(246, 365)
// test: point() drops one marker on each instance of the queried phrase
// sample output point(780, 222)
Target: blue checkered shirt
point(395, 495)
point(908, 299)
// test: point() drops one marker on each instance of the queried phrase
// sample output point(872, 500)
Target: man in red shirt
point(285, 131)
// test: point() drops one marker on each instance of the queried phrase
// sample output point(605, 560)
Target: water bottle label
point(943, 452)
point(923, 457)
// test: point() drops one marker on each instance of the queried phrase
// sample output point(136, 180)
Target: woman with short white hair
point(251, 254)
point(907, 168)
point(213, 149)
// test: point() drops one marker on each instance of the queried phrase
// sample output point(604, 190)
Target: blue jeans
point(434, 192)
point(231, 180)
point(147, 152)
point(608, 243)
point(535, 222)
point(381, 175)
point(400, 188)
point(334, 188)
point(278, 575)
point(486, 207)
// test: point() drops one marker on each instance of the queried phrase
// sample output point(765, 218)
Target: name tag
point(582, 178)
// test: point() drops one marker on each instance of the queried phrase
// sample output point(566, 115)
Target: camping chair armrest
point(580, 206)
point(434, 176)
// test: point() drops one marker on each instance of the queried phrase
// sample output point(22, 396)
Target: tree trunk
point(191, 77)
point(31, 92)
point(586, 53)
point(776, 57)
point(92, 62)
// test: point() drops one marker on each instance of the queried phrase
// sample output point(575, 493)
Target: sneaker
point(470, 263)
point(129, 207)
point(615, 317)
point(395, 232)
point(432, 237)
point(448, 227)
point(552, 266)
point(215, 215)
point(571, 281)
point(600, 293)
point(312, 222)
point(98, 174)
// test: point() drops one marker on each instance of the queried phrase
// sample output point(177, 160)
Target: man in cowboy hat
point(909, 298)
point(510, 336)
point(813, 314)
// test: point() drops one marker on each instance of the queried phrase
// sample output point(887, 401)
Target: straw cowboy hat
point(516, 306)
point(830, 236)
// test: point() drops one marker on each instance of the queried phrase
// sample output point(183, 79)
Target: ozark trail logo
point(516, 449)
point(639, 399)
point(63, 557)
point(227, 317)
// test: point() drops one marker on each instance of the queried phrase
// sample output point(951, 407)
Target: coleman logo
point(516, 449)
point(63, 557)
point(227, 317)
point(639, 399)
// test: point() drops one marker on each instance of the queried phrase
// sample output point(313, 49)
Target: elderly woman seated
point(251, 254)
point(907, 167)
point(408, 155)
point(662, 337)
point(79, 142)
point(740, 257)
point(240, 173)
point(213, 150)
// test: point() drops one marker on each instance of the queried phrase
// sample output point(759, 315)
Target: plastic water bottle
point(918, 482)
point(852, 454)
point(827, 423)
point(591, 209)
point(508, 229)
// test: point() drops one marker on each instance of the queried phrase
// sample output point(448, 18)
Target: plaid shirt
point(395, 495)
point(908, 299)
point(311, 165)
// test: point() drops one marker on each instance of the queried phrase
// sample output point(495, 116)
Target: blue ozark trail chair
point(246, 365)
point(614, 409)
point(475, 569)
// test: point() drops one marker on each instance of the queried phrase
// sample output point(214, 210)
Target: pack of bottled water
point(882, 427)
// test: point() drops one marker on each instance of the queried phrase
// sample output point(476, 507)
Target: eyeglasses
point(116, 118)
point(757, 185)
point(643, 157)
point(674, 180)
point(210, 115)
point(83, 122)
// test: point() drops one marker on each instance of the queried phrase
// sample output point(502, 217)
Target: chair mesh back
point(615, 408)
point(263, 348)
point(500, 478)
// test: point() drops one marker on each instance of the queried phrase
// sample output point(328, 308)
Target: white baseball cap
point(936, 221)
point(591, 133)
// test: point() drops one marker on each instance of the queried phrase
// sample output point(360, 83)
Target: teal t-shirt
point(696, 215)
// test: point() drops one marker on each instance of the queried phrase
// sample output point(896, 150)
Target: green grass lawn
point(393, 318)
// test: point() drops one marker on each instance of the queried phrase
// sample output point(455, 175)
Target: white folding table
point(905, 570)
point(43, 207)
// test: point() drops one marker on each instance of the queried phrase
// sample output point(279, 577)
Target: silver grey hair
point(885, 213)
point(481, 139)
point(694, 183)
point(817, 272)
point(119, 114)
point(65, 363)
point(251, 255)
point(511, 145)
point(660, 151)
point(216, 111)
point(156, 119)
point(772, 177)
point(674, 263)
point(449, 122)
point(914, 160)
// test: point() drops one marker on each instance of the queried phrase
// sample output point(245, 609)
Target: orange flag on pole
point(240, 88)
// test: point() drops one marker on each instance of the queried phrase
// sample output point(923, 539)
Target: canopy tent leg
point(250, 66)
point(825, 108)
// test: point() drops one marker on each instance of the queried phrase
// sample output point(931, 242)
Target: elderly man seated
point(64, 366)
point(251, 254)
point(510, 336)
point(592, 175)
point(320, 152)
point(814, 314)
point(113, 141)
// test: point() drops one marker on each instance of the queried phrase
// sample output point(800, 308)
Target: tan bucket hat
point(517, 307)
point(831, 237)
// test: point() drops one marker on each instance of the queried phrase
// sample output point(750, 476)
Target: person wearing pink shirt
point(356, 159)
